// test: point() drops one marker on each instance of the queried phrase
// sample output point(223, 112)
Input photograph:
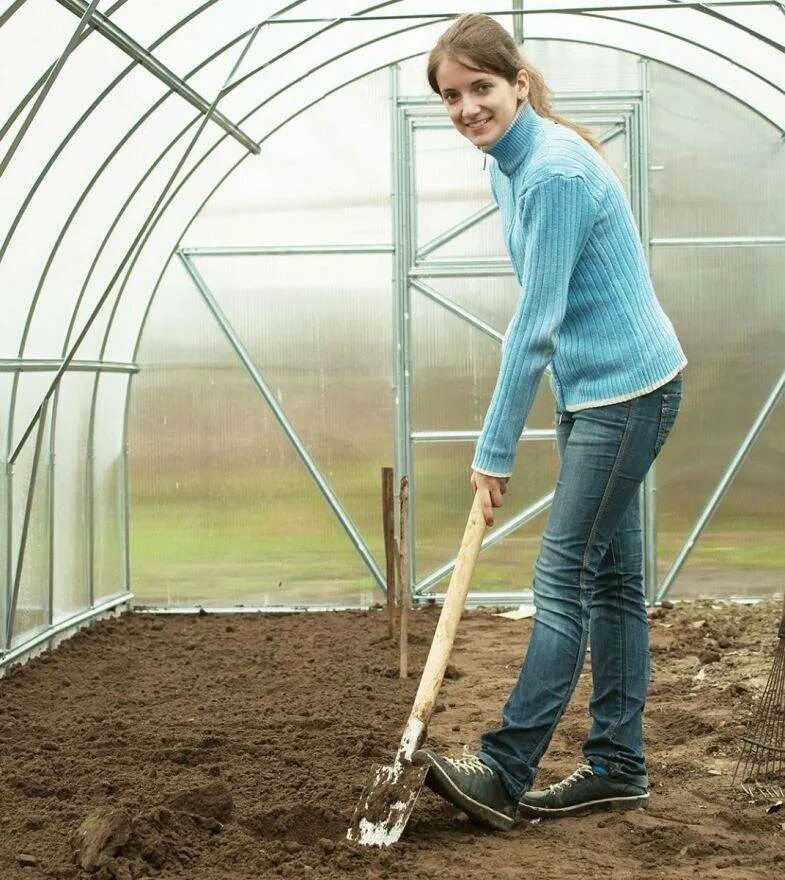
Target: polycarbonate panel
point(70, 495)
point(717, 168)
point(223, 511)
point(454, 365)
point(742, 550)
point(32, 604)
point(451, 186)
point(727, 307)
point(109, 520)
point(143, 273)
point(566, 66)
point(19, 34)
point(294, 194)
point(442, 502)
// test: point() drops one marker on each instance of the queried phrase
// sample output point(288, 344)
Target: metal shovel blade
point(386, 803)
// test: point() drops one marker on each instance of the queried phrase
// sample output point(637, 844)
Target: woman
point(588, 309)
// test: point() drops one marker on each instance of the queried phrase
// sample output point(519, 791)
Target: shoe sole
point(631, 802)
point(438, 781)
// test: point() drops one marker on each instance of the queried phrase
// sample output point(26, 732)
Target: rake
point(761, 767)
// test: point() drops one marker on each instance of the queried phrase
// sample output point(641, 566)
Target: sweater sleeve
point(556, 216)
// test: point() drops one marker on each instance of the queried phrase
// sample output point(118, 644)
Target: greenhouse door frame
point(620, 114)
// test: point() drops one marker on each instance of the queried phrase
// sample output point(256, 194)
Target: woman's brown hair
point(489, 47)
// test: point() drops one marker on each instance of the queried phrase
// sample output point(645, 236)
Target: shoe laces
point(470, 764)
point(583, 772)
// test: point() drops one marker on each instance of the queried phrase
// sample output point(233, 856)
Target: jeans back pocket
point(669, 409)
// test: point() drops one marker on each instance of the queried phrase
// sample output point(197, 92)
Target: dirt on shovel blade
point(386, 804)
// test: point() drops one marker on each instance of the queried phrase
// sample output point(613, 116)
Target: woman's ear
point(523, 85)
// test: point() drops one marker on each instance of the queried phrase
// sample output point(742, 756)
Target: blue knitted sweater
point(587, 304)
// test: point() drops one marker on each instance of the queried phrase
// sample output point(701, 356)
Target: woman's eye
point(449, 99)
point(483, 88)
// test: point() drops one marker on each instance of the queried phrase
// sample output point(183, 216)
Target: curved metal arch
point(98, 100)
point(632, 25)
point(55, 155)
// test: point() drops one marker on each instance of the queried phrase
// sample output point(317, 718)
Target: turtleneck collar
point(516, 143)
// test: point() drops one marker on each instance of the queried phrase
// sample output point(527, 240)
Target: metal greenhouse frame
point(737, 46)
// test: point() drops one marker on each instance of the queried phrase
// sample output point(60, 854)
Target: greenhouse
point(255, 291)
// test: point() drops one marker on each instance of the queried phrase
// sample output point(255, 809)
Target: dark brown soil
point(232, 748)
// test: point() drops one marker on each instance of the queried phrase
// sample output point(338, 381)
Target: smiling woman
point(482, 78)
point(587, 308)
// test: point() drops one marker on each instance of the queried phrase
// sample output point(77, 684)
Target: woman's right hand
point(492, 489)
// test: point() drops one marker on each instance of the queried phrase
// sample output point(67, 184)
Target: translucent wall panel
point(295, 192)
point(223, 511)
point(70, 495)
point(443, 501)
point(32, 605)
point(728, 309)
point(718, 169)
point(108, 487)
point(454, 365)
point(451, 185)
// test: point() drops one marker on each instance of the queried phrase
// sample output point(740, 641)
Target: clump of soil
point(237, 748)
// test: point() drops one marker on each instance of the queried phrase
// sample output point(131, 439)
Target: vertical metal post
point(649, 488)
point(517, 21)
point(89, 490)
point(126, 514)
point(402, 259)
point(50, 610)
point(5, 544)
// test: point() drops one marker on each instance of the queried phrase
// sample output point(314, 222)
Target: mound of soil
point(232, 748)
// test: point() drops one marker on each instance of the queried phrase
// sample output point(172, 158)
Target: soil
point(236, 747)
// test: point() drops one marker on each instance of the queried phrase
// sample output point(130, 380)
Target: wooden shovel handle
point(454, 600)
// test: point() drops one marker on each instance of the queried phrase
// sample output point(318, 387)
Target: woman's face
point(481, 104)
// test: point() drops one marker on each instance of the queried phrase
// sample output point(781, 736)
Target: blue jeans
point(588, 585)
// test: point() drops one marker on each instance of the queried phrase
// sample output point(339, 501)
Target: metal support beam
point(455, 309)
point(269, 396)
point(455, 231)
point(723, 486)
point(728, 241)
point(517, 21)
point(490, 539)
point(471, 436)
point(52, 365)
point(287, 250)
point(133, 49)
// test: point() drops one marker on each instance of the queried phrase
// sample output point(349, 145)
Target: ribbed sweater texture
point(587, 305)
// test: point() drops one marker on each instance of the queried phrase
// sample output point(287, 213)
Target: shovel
point(388, 800)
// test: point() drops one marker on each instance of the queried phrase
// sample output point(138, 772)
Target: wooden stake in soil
point(404, 579)
point(388, 527)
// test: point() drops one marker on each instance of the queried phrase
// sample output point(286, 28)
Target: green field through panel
point(726, 308)
point(223, 511)
point(444, 498)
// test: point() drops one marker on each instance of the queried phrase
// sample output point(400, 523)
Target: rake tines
point(761, 767)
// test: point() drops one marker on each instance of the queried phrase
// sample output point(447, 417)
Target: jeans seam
point(581, 585)
point(623, 656)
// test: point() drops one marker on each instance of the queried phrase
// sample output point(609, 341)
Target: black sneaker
point(470, 785)
point(583, 790)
